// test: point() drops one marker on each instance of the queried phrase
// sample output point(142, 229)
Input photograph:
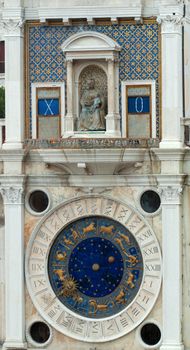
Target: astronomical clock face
point(93, 269)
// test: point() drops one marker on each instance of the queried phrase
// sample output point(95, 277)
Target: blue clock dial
point(95, 267)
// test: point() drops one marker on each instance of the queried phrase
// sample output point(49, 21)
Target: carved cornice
point(13, 27)
point(12, 195)
point(171, 194)
point(171, 24)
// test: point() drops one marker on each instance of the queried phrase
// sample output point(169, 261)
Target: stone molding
point(13, 195)
point(171, 24)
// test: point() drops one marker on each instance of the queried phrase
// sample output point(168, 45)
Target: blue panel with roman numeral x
point(139, 104)
point(48, 106)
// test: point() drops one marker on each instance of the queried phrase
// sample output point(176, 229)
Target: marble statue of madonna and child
point(93, 109)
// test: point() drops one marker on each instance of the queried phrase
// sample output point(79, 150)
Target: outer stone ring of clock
point(55, 292)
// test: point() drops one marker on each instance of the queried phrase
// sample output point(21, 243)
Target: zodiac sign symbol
point(68, 241)
point(97, 307)
point(61, 256)
point(130, 280)
point(89, 228)
point(131, 259)
point(60, 273)
point(69, 287)
point(75, 234)
point(120, 298)
point(78, 299)
point(119, 241)
point(107, 229)
point(126, 238)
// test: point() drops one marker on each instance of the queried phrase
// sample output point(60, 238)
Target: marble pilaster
point(69, 120)
point(172, 106)
point(172, 266)
point(14, 265)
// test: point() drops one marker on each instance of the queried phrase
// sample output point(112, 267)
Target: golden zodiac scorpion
point(97, 307)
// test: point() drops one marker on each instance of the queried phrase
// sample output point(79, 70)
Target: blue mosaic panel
point(138, 59)
point(140, 104)
point(95, 267)
point(48, 106)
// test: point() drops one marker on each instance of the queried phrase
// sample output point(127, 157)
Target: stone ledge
point(75, 143)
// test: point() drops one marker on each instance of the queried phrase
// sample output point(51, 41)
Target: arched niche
point(97, 74)
point(82, 51)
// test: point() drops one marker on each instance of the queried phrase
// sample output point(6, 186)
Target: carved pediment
point(89, 41)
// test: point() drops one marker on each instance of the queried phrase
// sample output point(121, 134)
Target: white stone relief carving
point(12, 195)
point(12, 26)
point(171, 194)
point(171, 23)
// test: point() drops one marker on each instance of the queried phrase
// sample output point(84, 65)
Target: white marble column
point(172, 104)
point(14, 264)
point(112, 118)
point(69, 118)
point(14, 81)
point(172, 267)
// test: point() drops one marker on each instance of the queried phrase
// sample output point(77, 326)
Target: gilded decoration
point(139, 57)
point(93, 268)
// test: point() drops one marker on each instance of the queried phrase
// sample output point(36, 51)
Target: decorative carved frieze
point(171, 194)
point(171, 23)
point(12, 195)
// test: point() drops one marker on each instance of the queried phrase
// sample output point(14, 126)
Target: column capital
point(171, 24)
point(69, 61)
point(171, 194)
point(13, 27)
point(13, 195)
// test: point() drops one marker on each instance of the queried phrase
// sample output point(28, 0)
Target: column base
point(68, 129)
point(172, 347)
point(12, 145)
point(14, 345)
point(171, 144)
point(113, 125)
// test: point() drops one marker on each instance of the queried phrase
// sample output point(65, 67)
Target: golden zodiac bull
point(107, 229)
point(97, 307)
point(89, 228)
